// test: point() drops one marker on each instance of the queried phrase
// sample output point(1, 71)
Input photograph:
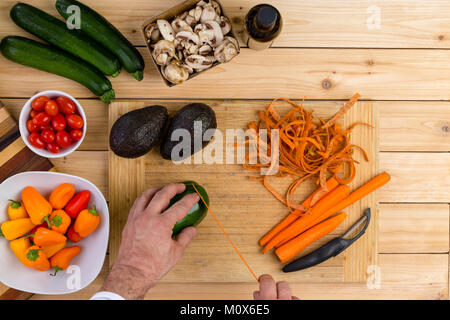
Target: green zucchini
point(55, 31)
point(197, 213)
point(47, 58)
point(98, 28)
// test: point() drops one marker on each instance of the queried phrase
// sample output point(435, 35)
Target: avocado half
point(197, 213)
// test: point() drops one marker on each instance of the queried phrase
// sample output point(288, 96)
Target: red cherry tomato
point(33, 113)
point(48, 136)
point(47, 127)
point(59, 122)
point(36, 141)
point(42, 119)
point(38, 104)
point(53, 147)
point(51, 108)
point(66, 105)
point(74, 121)
point(76, 134)
point(63, 139)
point(32, 127)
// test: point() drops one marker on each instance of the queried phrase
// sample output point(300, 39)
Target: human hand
point(147, 251)
point(269, 290)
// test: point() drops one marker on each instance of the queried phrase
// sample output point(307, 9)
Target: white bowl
point(25, 116)
point(84, 268)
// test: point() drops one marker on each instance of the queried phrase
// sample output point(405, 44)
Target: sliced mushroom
point(227, 50)
point(216, 7)
point(163, 52)
point(198, 13)
point(205, 50)
point(198, 62)
point(180, 25)
point(175, 73)
point(190, 20)
point(199, 27)
point(208, 13)
point(190, 48)
point(166, 30)
point(218, 35)
point(187, 36)
point(152, 33)
point(225, 25)
point(178, 44)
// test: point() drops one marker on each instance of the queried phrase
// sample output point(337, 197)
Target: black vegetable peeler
point(331, 249)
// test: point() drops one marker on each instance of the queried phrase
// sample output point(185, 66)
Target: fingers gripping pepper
point(16, 210)
point(61, 195)
point(37, 206)
point(62, 259)
point(60, 221)
point(87, 221)
point(14, 229)
point(46, 237)
point(36, 259)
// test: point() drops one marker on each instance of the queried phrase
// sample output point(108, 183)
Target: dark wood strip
point(13, 294)
point(8, 138)
point(24, 160)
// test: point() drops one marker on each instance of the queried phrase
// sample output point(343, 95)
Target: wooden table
point(395, 53)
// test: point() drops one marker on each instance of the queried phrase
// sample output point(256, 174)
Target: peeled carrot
point(377, 182)
point(291, 217)
point(310, 218)
point(298, 244)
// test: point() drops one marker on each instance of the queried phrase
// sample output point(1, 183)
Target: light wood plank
point(403, 276)
point(414, 228)
point(294, 73)
point(311, 23)
point(416, 177)
point(403, 126)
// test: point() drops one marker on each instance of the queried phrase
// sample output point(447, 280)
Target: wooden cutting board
point(244, 207)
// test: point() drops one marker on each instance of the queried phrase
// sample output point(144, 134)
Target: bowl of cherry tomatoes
point(52, 124)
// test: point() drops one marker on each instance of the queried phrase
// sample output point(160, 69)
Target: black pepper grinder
point(263, 24)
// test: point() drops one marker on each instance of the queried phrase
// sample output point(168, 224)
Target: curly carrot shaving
point(308, 148)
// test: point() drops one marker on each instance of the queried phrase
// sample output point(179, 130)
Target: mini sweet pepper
point(35, 258)
point(14, 229)
point(16, 210)
point(62, 259)
point(37, 206)
point(87, 221)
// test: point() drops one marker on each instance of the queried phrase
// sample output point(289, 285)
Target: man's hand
point(148, 251)
point(269, 290)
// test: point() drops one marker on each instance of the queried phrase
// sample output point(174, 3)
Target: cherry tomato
point(33, 113)
point(59, 122)
point(66, 105)
point(63, 139)
point(76, 134)
point(74, 121)
point(51, 108)
point(42, 119)
point(32, 127)
point(48, 136)
point(53, 147)
point(38, 104)
point(36, 141)
point(46, 127)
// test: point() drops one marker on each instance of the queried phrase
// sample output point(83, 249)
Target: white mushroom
point(175, 73)
point(187, 36)
point(217, 31)
point(190, 20)
point(166, 30)
point(190, 48)
point(227, 50)
point(180, 25)
point(216, 7)
point(198, 13)
point(198, 62)
point(205, 50)
point(152, 33)
point(208, 13)
point(199, 27)
point(225, 25)
point(163, 52)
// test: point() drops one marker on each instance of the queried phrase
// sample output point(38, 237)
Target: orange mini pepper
point(51, 250)
point(37, 206)
point(19, 247)
point(60, 221)
point(36, 259)
point(61, 195)
point(87, 221)
point(46, 237)
point(62, 259)
point(14, 229)
point(16, 210)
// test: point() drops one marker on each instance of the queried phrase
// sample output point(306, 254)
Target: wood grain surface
point(328, 50)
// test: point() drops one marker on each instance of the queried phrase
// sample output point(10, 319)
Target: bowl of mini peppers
point(54, 232)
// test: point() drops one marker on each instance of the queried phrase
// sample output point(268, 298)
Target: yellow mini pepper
point(53, 249)
point(14, 229)
point(19, 248)
point(16, 210)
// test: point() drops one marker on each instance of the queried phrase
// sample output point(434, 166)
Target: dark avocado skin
point(197, 212)
point(185, 119)
point(136, 132)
